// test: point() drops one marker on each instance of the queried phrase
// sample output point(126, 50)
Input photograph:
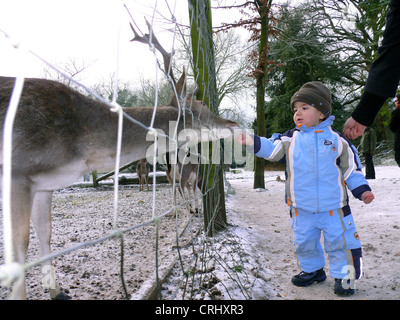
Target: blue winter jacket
point(320, 162)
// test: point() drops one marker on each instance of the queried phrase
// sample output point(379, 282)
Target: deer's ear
point(181, 85)
point(180, 90)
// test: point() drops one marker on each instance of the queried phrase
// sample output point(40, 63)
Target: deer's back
point(49, 123)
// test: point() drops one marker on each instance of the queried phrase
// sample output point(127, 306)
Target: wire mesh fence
point(115, 242)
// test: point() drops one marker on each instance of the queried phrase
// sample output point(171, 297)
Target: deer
point(59, 135)
point(142, 170)
point(184, 176)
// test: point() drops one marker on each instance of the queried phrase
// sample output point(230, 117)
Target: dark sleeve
point(358, 192)
point(257, 144)
point(384, 76)
point(395, 120)
point(368, 108)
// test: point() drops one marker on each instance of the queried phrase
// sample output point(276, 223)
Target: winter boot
point(304, 279)
point(340, 291)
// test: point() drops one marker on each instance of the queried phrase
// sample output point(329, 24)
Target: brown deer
point(60, 134)
point(142, 170)
point(184, 176)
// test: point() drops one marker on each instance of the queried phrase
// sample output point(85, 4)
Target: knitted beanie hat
point(316, 94)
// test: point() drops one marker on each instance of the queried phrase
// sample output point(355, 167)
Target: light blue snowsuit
point(320, 163)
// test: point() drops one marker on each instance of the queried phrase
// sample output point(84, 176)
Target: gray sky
point(85, 30)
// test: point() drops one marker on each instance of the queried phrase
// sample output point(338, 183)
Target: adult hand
point(352, 129)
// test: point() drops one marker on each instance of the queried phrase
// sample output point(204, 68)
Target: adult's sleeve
point(383, 78)
point(394, 123)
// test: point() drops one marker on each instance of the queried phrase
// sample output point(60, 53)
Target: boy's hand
point(367, 197)
point(244, 139)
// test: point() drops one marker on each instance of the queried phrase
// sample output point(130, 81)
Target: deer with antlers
point(60, 134)
point(182, 176)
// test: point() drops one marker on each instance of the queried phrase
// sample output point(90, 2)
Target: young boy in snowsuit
point(320, 163)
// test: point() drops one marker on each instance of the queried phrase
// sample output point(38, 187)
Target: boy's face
point(307, 115)
point(397, 102)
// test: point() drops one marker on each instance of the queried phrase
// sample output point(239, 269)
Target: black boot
point(304, 279)
point(340, 291)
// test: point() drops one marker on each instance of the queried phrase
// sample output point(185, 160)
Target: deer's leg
point(140, 183)
point(184, 184)
point(41, 219)
point(193, 206)
point(196, 204)
point(21, 202)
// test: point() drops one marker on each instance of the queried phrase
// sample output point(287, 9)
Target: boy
point(320, 163)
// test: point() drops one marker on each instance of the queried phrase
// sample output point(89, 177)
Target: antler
point(152, 40)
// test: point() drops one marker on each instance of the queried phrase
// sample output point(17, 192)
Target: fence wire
point(202, 249)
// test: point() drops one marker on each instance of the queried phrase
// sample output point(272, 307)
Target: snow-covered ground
point(255, 259)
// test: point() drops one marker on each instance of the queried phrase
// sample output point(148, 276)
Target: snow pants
point(340, 238)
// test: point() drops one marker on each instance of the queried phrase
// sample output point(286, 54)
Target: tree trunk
point(259, 163)
point(204, 70)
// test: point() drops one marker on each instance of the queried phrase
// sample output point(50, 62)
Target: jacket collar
point(326, 123)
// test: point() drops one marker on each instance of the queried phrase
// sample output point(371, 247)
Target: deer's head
point(196, 113)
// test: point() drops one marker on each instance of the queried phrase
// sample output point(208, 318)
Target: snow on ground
point(255, 259)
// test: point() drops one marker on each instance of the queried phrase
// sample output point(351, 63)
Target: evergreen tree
point(300, 55)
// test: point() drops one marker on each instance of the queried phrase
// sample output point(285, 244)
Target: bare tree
point(354, 29)
point(72, 67)
point(232, 65)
